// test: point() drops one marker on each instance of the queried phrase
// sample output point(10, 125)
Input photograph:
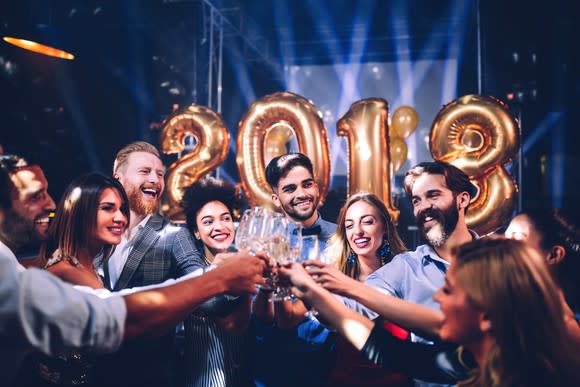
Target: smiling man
point(440, 194)
point(295, 192)
point(25, 205)
point(293, 341)
point(151, 251)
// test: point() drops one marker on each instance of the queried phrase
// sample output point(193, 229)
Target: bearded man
point(151, 251)
point(440, 194)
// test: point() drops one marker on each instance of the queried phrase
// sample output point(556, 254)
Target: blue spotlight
point(549, 121)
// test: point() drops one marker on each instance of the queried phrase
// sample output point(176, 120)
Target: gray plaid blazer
point(161, 251)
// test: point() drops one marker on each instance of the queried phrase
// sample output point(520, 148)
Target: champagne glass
point(241, 239)
point(278, 238)
point(310, 251)
point(295, 241)
point(310, 248)
point(257, 224)
point(294, 251)
point(278, 247)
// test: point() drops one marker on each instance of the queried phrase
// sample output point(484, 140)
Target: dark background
point(136, 59)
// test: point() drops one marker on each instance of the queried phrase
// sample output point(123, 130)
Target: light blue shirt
point(38, 311)
point(412, 276)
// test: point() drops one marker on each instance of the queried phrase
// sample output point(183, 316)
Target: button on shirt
point(119, 257)
point(412, 276)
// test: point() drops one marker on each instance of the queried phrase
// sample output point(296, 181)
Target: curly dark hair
point(207, 190)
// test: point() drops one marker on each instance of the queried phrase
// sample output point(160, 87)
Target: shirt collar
point(137, 228)
point(428, 252)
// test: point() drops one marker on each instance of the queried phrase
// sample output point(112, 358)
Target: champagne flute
point(278, 247)
point(310, 251)
point(241, 238)
point(257, 224)
point(294, 252)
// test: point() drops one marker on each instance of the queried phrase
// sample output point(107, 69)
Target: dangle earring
point(351, 259)
point(385, 251)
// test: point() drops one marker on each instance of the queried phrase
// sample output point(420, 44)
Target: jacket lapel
point(145, 240)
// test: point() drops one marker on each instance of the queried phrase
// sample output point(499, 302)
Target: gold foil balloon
point(366, 128)
point(213, 139)
point(276, 141)
point(404, 122)
point(495, 202)
point(398, 153)
point(478, 135)
point(475, 133)
point(290, 110)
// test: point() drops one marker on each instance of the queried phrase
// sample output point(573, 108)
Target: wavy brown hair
point(339, 242)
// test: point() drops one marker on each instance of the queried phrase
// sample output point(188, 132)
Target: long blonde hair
point(510, 283)
point(339, 247)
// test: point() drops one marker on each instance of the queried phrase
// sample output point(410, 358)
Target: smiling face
point(215, 227)
point(298, 195)
point(31, 203)
point(435, 208)
point(461, 324)
point(364, 229)
point(142, 177)
point(111, 222)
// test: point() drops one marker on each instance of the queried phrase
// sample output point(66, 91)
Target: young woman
point(500, 305)
point(365, 240)
point(90, 219)
point(214, 345)
point(555, 234)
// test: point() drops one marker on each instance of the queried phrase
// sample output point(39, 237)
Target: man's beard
point(20, 232)
point(138, 205)
point(446, 221)
point(301, 216)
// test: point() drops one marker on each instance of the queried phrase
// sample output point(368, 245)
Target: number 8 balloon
point(478, 135)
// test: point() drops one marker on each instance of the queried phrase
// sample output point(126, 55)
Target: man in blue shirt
point(285, 338)
point(440, 194)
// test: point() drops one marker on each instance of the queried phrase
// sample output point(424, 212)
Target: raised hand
point(241, 272)
point(331, 278)
point(302, 281)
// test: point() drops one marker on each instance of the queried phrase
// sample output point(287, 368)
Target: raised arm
point(417, 318)
point(155, 312)
point(438, 363)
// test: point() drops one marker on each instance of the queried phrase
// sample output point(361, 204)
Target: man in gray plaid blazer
point(151, 251)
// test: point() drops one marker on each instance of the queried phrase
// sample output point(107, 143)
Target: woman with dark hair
point(214, 344)
point(365, 240)
point(502, 319)
point(555, 234)
point(90, 219)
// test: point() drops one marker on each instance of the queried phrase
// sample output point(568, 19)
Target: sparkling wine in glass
point(241, 239)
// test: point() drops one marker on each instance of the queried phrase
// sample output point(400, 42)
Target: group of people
point(458, 309)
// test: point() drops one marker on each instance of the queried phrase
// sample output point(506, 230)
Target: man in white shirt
point(40, 312)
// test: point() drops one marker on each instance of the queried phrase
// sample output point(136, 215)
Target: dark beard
point(299, 216)
point(137, 205)
point(19, 234)
point(447, 220)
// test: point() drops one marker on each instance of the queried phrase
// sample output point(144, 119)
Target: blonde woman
point(499, 305)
